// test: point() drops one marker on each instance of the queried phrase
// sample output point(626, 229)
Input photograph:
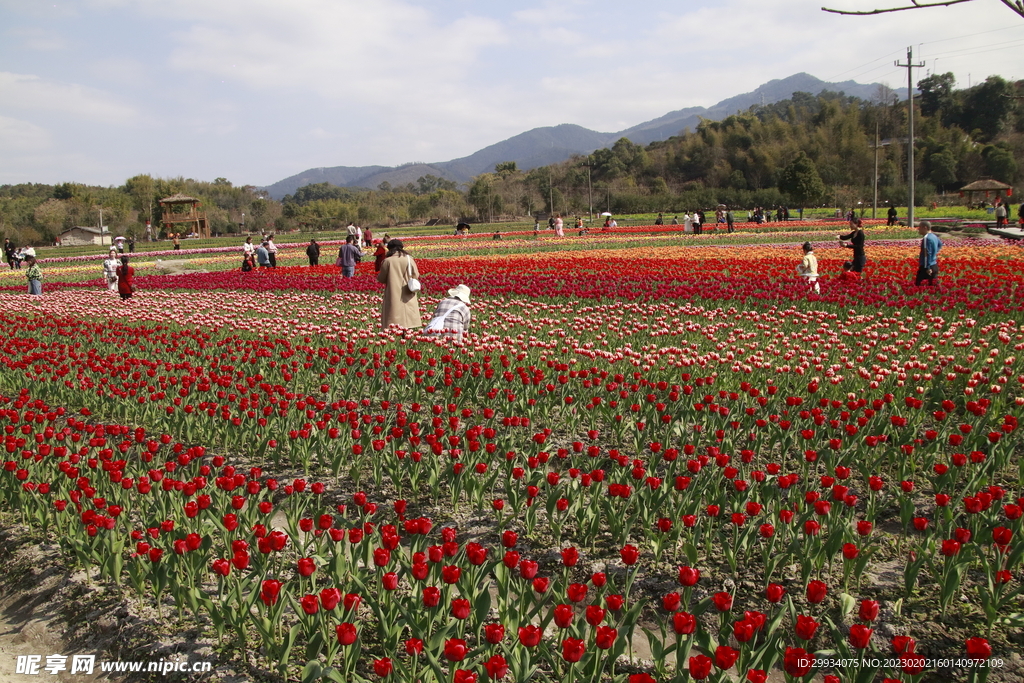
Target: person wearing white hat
point(452, 317)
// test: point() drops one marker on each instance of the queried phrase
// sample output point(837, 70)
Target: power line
point(985, 48)
point(894, 52)
point(970, 35)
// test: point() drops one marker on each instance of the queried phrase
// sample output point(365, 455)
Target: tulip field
point(650, 460)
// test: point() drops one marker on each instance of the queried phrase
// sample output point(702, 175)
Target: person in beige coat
point(400, 306)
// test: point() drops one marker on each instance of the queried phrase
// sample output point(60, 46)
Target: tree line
point(808, 150)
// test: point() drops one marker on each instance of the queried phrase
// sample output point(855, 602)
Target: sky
point(97, 91)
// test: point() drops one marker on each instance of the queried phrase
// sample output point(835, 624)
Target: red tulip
point(806, 627)
point(868, 610)
point(816, 591)
point(346, 633)
point(572, 649)
point(774, 593)
point(722, 601)
point(700, 667)
point(606, 636)
point(494, 633)
point(563, 616)
point(688, 576)
point(530, 635)
point(306, 566)
point(797, 662)
point(684, 623)
point(383, 667)
point(978, 648)
point(496, 667)
point(455, 649)
point(860, 636)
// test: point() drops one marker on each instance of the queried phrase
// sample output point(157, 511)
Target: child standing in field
point(34, 275)
point(808, 267)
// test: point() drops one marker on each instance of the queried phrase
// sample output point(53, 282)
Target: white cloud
point(382, 50)
point(43, 40)
point(32, 93)
point(18, 136)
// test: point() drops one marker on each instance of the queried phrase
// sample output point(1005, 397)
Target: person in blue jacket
point(928, 260)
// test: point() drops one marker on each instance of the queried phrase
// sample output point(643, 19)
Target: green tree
point(431, 183)
point(942, 168)
point(937, 95)
point(987, 107)
point(51, 215)
point(800, 180)
point(999, 163)
point(506, 168)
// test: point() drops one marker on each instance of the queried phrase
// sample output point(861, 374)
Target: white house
point(82, 236)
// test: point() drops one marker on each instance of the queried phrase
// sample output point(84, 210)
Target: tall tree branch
point(915, 5)
point(1017, 6)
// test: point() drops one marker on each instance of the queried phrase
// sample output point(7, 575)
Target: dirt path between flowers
point(48, 607)
point(176, 267)
point(30, 623)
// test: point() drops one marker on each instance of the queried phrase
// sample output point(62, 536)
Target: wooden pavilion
point(179, 209)
point(986, 185)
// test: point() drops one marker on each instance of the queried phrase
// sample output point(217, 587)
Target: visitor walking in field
point(313, 252)
point(401, 304)
point(379, 255)
point(262, 255)
point(452, 317)
point(891, 216)
point(559, 226)
point(9, 253)
point(928, 259)
point(34, 275)
point(125, 279)
point(730, 221)
point(110, 265)
point(272, 251)
point(808, 267)
point(348, 256)
point(856, 242)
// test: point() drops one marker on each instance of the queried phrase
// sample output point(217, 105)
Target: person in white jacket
point(110, 265)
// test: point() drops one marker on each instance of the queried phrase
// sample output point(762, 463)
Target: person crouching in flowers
point(110, 265)
point(34, 275)
point(849, 274)
point(125, 279)
point(808, 267)
point(452, 317)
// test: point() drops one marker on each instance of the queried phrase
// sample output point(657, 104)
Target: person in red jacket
point(125, 279)
point(379, 255)
point(849, 274)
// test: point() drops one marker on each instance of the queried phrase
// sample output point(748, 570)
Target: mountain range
point(553, 144)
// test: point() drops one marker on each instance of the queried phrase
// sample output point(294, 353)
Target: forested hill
point(827, 140)
point(553, 144)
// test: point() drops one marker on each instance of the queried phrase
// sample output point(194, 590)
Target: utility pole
point(590, 190)
point(909, 66)
point(874, 202)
